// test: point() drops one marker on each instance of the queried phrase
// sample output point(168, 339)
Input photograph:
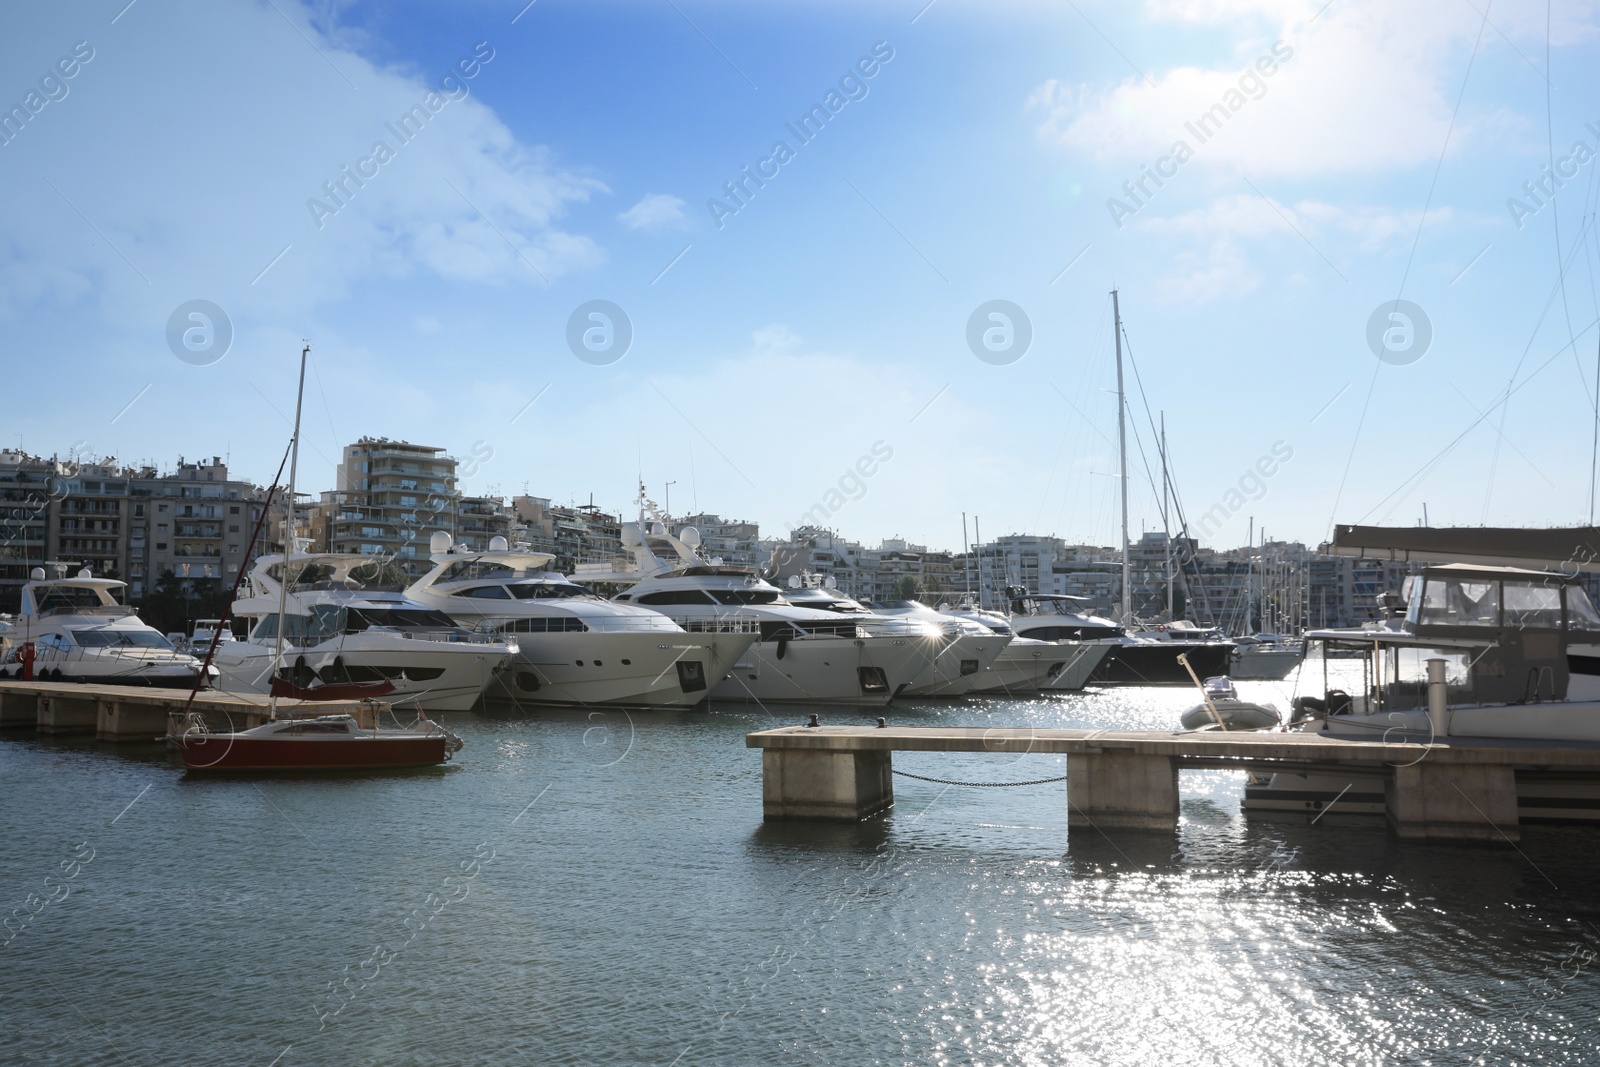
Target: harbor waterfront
point(600, 886)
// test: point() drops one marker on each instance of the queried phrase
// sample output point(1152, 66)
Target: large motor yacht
point(1024, 666)
point(801, 655)
point(339, 630)
point(575, 646)
point(1094, 643)
point(961, 650)
point(1481, 652)
point(79, 631)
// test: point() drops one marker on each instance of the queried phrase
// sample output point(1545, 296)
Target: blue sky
point(830, 313)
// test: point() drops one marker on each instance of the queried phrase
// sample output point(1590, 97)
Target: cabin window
point(1454, 602)
point(755, 596)
point(1580, 610)
point(676, 596)
point(120, 639)
point(544, 625)
point(1533, 605)
point(485, 592)
point(548, 590)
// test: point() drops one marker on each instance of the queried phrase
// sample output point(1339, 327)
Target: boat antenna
point(1122, 450)
point(289, 532)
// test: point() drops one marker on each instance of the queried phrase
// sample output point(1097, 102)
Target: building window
point(234, 510)
point(161, 546)
point(233, 529)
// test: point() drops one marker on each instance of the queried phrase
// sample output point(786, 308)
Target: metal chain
point(981, 785)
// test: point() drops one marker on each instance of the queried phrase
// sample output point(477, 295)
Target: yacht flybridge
point(339, 630)
point(1481, 651)
point(75, 629)
point(1023, 666)
point(800, 655)
point(575, 647)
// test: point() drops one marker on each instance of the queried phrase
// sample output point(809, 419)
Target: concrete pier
point(1118, 789)
point(1456, 789)
point(129, 713)
point(825, 785)
point(1453, 802)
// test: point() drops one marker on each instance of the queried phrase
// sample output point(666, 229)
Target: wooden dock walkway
point(1453, 788)
point(132, 713)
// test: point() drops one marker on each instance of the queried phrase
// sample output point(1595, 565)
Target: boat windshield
point(1531, 603)
point(66, 597)
point(120, 639)
point(745, 596)
point(465, 569)
point(359, 619)
point(548, 590)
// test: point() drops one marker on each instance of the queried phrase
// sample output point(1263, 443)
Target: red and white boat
point(324, 743)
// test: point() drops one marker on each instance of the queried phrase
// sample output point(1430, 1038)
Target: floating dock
point(132, 713)
point(1460, 789)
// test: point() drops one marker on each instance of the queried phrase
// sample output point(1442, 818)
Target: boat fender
point(783, 646)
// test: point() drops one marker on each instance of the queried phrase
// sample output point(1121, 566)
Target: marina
point(1097, 566)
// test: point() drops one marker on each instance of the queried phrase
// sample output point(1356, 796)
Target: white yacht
point(959, 650)
point(1023, 666)
point(576, 647)
point(801, 655)
point(1090, 643)
point(340, 631)
point(1270, 657)
point(81, 632)
point(1482, 652)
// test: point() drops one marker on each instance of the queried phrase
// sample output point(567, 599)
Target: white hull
point(822, 670)
point(619, 668)
point(1086, 656)
point(958, 666)
point(1025, 666)
point(1265, 664)
point(109, 667)
point(1539, 799)
point(462, 671)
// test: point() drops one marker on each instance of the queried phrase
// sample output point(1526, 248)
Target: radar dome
point(498, 544)
point(85, 573)
point(631, 535)
point(689, 536)
point(794, 581)
point(439, 542)
point(658, 529)
point(36, 575)
point(830, 582)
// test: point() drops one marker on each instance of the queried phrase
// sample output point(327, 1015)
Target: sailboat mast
point(977, 546)
point(1166, 523)
point(966, 556)
point(1250, 580)
point(289, 528)
point(1122, 449)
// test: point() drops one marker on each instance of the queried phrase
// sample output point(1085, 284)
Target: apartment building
point(392, 496)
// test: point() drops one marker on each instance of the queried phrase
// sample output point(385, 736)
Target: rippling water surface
point(601, 889)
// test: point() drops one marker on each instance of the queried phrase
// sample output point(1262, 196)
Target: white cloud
point(196, 138)
point(655, 211)
point(1368, 87)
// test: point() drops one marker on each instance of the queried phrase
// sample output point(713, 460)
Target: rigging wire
point(1372, 386)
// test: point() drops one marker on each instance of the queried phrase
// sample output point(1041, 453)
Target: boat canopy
point(1570, 549)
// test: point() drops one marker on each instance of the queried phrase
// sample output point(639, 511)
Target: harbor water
point(599, 887)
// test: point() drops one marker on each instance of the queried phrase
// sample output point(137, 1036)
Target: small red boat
point(325, 743)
